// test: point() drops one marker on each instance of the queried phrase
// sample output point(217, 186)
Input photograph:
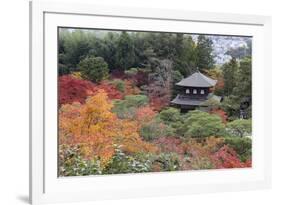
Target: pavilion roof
point(188, 100)
point(197, 79)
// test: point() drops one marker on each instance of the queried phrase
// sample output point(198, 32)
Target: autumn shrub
point(94, 68)
point(198, 152)
point(199, 163)
point(144, 114)
point(202, 148)
point(226, 157)
point(170, 144)
point(74, 90)
point(212, 152)
point(138, 76)
point(242, 146)
point(131, 88)
point(221, 113)
point(110, 89)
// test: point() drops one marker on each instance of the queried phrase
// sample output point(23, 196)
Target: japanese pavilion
point(194, 91)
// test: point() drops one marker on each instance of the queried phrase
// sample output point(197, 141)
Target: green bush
point(170, 115)
point(136, 100)
point(243, 146)
point(122, 163)
point(131, 71)
point(174, 119)
point(71, 162)
point(93, 68)
point(119, 84)
point(142, 162)
point(202, 124)
point(122, 110)
point(125, 109)
point(168, 161)
point(63, 69)
point(154, 130)
point(211, 103)
point(239, 128)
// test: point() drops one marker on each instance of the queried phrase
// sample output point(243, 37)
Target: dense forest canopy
point(124, 50)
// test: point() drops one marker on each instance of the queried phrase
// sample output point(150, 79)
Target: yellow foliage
point(77, 75)
point(97, 129)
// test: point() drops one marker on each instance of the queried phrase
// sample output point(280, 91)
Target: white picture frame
point(46, 187)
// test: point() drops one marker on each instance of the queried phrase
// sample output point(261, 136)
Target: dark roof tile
point(197, 79)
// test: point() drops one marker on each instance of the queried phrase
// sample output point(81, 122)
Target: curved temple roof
point(180, 100)
point(197, 79)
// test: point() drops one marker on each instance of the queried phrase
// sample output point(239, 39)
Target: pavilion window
point(202, 92)
point(194, 91)
point(187, 91)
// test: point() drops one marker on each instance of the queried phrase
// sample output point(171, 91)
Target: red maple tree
point(72, 89)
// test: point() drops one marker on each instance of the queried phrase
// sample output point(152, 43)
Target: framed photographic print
point(130, 102)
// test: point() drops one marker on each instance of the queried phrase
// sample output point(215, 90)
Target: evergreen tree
point(94, 68)
point(244, 79)
point(230, 70)
point(204, 53)
point(125, 51)
point(185, 58)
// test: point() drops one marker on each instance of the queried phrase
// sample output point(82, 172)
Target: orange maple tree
point(98, 130)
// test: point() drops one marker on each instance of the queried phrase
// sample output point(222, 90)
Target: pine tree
point(204, 53)
point(230, 70)
point(125, 51)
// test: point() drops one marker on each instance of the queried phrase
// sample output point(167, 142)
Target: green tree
point(230, 70)
point(239, 127)
point(244, 78)
point(231, 105)
point(170, 115)
point(125, 51)
point(73, 47)
point(204, 51)
point(94, 68)
point(185, 55)
point(106, 47)
point(238, 87)
point(202, 124)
